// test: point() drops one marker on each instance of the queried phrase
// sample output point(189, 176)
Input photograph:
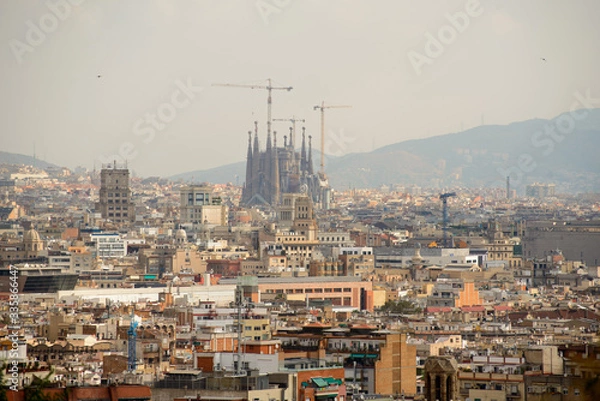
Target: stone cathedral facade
point(279, 170)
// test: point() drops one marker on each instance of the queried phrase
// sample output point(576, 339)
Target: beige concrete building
point(200, 206)
point(114, 201)
point(297, 243)
point(14, 250)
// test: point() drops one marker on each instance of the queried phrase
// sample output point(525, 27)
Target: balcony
point(294, 346)
point(328, 391)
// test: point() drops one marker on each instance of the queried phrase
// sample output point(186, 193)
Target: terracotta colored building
point(224, 267)
point(111, 393)
point(340, 291)
point(321, 384)
point(382, 361)
point(454, 293)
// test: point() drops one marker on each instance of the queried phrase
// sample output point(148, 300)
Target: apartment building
point(454, 293)
point(339, 291)
point(200, 206)
point(115, 202)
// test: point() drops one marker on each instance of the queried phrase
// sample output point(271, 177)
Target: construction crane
point(132, 339)
point(269, 87)
point(293, 120)
point(444, 198)
point(322, 107)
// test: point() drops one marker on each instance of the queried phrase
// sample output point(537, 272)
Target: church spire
point(249, 155)
point(248, 185)
point(255, 138)
point(255, 182)
point(275, 172)
point(269, 169)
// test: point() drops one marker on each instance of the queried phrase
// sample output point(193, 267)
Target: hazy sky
point(149, 53)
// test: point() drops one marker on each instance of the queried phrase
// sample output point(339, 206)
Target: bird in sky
point(99, 76)
point(543, 59)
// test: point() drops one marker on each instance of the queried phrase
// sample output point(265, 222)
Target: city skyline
point(175, 226)
point(81, 92)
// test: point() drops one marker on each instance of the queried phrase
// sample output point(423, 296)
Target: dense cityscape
point(119, 287)
point(278, 200)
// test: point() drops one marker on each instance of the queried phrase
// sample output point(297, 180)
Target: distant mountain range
point(15, 158)
point(563, 151)
point(234, 172)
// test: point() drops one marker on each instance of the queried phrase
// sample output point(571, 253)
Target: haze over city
point(275, 200)
point(80, 89)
